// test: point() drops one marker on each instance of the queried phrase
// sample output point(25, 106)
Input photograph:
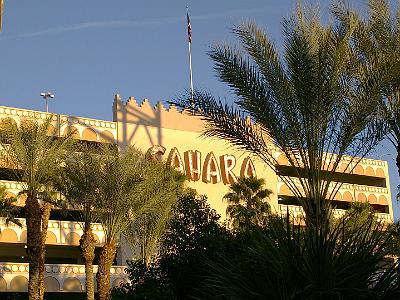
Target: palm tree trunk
point(87, 245)
point(106, 258)
point(46, 209)
point(34, 247)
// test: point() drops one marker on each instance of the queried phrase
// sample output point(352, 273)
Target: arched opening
point(338, 196)
point(72, 238)
point(51, 284)
point(282, 160)
point(361, 197)
point(89, 135)
point(106, 137)
point(72, 285)
point(358, 170)
point(344, 168)
point(379, 172)
point(284, 190)
point(51, 238)
point(3, 284)
point(369, 171)
point(8, 235)
point(383, 200)
point(372, 199)
point(22, 237)
point(347, 196)
point(19, 283)
point(71, 130)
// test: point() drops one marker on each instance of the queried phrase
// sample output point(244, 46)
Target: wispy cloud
point(98, 25)
point(130, 23)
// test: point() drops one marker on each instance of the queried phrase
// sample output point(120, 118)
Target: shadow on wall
point(132, 117)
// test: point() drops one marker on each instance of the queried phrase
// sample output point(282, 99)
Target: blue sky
point(86, 51)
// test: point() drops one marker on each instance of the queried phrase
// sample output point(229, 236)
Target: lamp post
point(46, 97)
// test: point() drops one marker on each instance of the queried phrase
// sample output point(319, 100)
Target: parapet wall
point(157, 116)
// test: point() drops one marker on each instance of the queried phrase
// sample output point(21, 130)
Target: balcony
point(297, 213)
point(347, 192)
point(59, 232)
point(57, 277)
point(359, 166)
point(81, 128)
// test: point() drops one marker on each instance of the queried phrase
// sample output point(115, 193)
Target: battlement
point(155, 116)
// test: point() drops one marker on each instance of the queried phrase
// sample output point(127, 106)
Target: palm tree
point(34, 154)
point(377, 38)
point(146, 231)
point(76, 180)
point(127, 183)
point(288, 261)
point(315, 103)
point(80, 183)
point(118, 176)
point(247, 203)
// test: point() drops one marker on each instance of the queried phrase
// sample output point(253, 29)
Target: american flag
point(189, 28)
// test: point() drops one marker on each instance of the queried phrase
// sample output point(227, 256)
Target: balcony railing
point(81, 128)
point(347, 192)
point(58, 233)
point(58, 277)
point(297, 213)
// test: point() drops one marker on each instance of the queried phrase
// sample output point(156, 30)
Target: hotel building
point(209, 164)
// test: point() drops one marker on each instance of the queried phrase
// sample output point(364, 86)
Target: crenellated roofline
point(157, 116)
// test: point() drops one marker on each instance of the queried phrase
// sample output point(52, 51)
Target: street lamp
point(46, 97)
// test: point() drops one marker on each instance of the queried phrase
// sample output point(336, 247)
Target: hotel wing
point(210, 166)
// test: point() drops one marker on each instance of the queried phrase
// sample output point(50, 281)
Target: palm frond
point(33, 153)
point(248, 206)
point(315, 105)
point(289, 261)
point(8, 210)
point(157, 199)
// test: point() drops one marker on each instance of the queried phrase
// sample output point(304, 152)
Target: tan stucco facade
point(178, 132)
point(144, 127)
point(209, 163)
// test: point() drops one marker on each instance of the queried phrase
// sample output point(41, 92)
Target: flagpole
point(190, 57)
point(191, 75)
point(1, 13)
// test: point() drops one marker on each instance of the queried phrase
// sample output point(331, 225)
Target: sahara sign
point(212, 170)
